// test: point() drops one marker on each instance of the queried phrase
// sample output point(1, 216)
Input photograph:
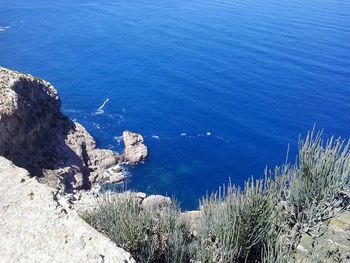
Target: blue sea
point(218, 88)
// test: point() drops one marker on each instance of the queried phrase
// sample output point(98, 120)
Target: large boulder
point(156, 201)
point(37, 225)
point(35, 135)
point(135, 150)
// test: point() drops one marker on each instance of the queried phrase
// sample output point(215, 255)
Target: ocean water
point(218, 88)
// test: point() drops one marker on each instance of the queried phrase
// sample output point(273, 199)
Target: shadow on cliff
point(34, 136)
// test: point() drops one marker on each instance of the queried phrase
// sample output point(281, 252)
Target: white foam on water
point(208, 133)
point(110, 147)
point(119, 139)
point(97, 126)
point(4, 28)
point(183, 134)
point(100, 109)
point(120, 118)
point(70, 110)
point(155, 137)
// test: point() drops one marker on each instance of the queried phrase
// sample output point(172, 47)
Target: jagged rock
point(37, 225)
point(35, 135)
point(156, 201)
point(135, 150)
point(102, 159)
point(27, 107)
point(115, 174)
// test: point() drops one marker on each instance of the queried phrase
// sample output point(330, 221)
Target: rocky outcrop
point(36, 225)
point(156, 201)
point(135, 150)
point(39, 222)
point(35, 135)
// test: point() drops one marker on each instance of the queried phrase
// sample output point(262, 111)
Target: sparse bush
point(150, 235)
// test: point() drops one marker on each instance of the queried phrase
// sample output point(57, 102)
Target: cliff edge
point(43, 156)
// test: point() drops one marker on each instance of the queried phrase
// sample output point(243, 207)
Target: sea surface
point(218, 88)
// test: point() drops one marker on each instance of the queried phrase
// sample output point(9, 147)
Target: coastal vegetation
point(150, 235)
point(260, 222)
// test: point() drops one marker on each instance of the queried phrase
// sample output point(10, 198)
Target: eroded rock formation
point(35, 135)
point(135, 150)
point(39, 222)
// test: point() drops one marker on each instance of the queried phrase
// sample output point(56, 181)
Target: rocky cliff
point(37, 223)
point(45, 156)
point(35, 135)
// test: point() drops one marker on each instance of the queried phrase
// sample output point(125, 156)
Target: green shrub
point(150, 235)
point(240, 225)
point(319, 181)
point(260, 223)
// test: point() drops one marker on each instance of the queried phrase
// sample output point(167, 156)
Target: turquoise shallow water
point(218, 88)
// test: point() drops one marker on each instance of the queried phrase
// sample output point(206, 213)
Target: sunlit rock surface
point(36, 225)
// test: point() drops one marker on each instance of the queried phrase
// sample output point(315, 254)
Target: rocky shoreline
point(50, 162)
point(37, 136)
point(51, 172)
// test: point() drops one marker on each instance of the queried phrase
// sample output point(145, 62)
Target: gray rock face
point(35, 135)
point(36, 225)
point(27, 106)
point(135, 150)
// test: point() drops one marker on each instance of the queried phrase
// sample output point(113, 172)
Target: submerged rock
point(36, 225)
point(135, 150)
